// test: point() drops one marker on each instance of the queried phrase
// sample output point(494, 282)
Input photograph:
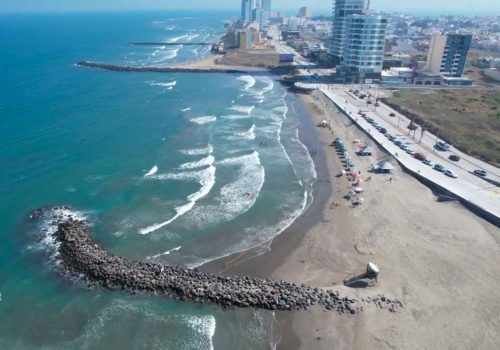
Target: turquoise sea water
point(175, 168)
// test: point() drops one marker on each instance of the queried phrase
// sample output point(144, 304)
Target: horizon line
point(325, 11)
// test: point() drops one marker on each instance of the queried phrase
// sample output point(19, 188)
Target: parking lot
point(456, 176)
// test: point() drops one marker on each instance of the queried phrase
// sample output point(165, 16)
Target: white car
point(450, 174)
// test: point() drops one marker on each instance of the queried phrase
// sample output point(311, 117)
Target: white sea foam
point(170, 84)
point(167, 252)
point(152, 172)
point(239, 196)
point(260, 236)
point(176, 39)
point(190, 37)
point(204, 120)
point(243, 109)
point(249, 81)
point(269, 85)
point(209, 160)
point(186, 109)
point(198, 151)
point(205, 326)
point(283, 110)
point(235, 116)
point(201, 328)
point(205, 177)
point(249, 134)
point(47, 242)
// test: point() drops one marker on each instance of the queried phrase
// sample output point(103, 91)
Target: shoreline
point(292, 236)
point(437, 258)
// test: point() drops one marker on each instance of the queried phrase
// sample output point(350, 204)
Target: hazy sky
point(323, 6)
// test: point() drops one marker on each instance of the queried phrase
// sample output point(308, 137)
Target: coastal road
point(427, 140)
point(467, 186)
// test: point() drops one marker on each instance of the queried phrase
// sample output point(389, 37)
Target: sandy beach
point(439, 259)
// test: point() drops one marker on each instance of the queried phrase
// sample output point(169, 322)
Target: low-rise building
point(428, 78)
point(397, 76)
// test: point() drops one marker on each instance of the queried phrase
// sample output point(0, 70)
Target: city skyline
point(428, 7)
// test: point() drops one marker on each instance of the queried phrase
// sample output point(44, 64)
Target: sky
point(491, 7)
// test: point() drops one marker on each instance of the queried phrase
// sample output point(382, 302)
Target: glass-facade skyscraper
point(341, 10)
point(364, 46)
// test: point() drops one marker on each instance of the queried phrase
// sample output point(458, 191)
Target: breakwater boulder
point(82, 256)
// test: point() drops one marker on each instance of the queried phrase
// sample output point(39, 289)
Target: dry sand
point(440, 260)
point(212, 62)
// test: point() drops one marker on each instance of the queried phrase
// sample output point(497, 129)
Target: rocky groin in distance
point(82, 256)
point(118, 68)
point(153, 43)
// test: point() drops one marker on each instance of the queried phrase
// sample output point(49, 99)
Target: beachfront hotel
point(358, 42)
point(364, 46)
point(341, 10)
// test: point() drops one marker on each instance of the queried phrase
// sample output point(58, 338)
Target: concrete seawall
point(82, 256)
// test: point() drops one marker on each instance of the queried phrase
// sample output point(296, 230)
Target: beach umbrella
point(358, 189)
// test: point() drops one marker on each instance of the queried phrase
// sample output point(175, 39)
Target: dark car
point(392, 114)
point(454, 158)
point(383, 130)
point(439, 168)
point(480, 172)
point(369, 102)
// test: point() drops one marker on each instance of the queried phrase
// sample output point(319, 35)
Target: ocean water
point(173, 168)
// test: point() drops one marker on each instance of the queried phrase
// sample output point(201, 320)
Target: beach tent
point(384, 168)
point(367, 151)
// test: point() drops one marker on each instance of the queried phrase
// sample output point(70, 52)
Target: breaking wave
point(249, 81)
point(204, 120)
point(206, 179)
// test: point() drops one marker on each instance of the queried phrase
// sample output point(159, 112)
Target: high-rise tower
point(448, 54)
point(342, 9)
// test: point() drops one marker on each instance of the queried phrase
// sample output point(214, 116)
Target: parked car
point(428, 162)
point(420, 156)
point(454, 158)
point(398, 142)
point(369, 102)
point(480, 172)
point(370, 120)
point(392, 138)
point(377, 104)
point(351, 90)
point(439, 168)
point(450, 174)
point(392, 114)
point(403, 146)
point(410, 152)
point(383, 131)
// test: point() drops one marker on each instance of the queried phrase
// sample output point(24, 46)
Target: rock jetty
point(83, 257)
point(117, 68)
